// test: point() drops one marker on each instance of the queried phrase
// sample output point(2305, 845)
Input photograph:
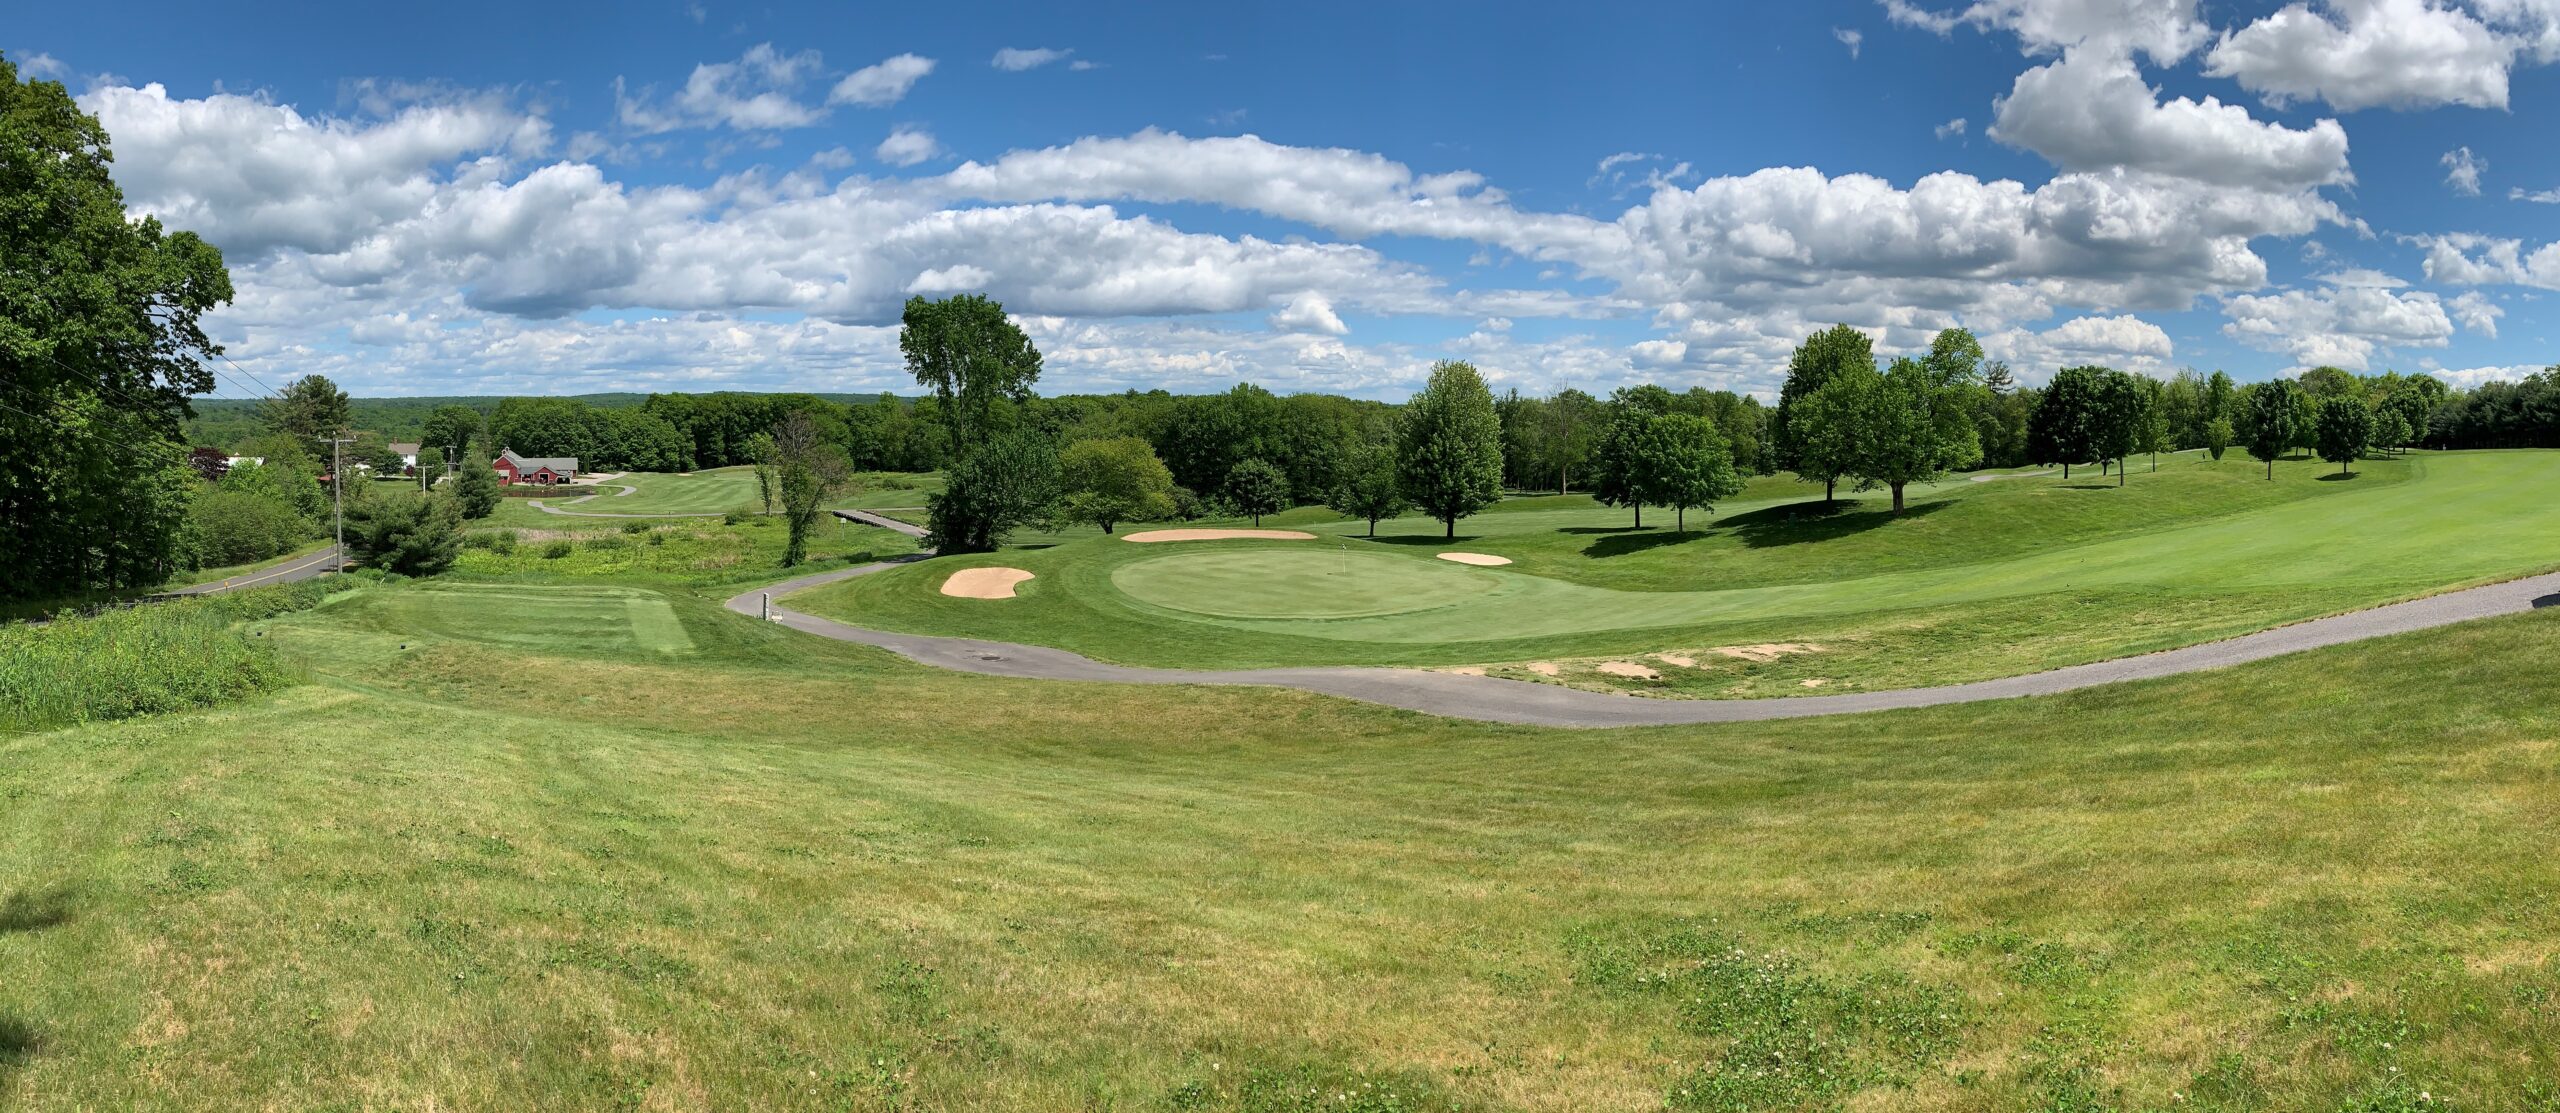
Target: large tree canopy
point(100, 345)
point(1449, 446)
point(1822, 356)
point(977, 361)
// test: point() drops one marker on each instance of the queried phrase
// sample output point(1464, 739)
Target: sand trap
point(1480, 560)
point(1816, 682)
point(1544, 668)
point(1629, 669)
point(1217, 535)
point(984, 583)
point(1469, 670)
point(1769, 652)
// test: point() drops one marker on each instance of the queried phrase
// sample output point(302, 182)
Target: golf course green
point(1977, 579)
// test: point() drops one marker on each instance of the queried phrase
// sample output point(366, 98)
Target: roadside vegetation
point(122, 662)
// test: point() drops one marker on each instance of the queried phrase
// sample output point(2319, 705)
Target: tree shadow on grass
point(18, 1043)
point(1416, 539)
point(1798, 523)
point(29, 910)
point(2086, 486)
point(2334, 477)
point(1629, 541)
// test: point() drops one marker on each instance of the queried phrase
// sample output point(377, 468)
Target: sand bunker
point(1544, 668)
point(1769, 652)
point(1218, 535)
point(984, 583)
point(1678, 660)
point(1470, 670)
point(1480, 560)
point(1629, 669)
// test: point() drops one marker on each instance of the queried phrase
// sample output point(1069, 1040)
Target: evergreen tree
point(475, 487)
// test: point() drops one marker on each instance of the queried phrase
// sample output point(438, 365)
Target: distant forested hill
point(225, 422)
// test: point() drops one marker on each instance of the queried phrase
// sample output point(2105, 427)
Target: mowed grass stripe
point(611, 620)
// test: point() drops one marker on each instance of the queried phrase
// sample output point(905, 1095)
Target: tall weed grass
point(167, 656)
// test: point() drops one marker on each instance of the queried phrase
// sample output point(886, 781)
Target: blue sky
point(544, 198)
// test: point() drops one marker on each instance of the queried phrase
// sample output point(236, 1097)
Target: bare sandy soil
point(1218, 535)
point(1480, 560)
point(984, 583)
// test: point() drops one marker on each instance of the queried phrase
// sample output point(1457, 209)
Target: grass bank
point(778, 872)
point(139, 660)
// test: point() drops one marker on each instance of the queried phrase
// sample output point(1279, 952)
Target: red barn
point(540, 470)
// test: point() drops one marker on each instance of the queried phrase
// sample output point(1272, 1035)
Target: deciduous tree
point(978, 363)
point(808, 469)
point(1449, 446)
point(1367, 487)
point(2274, 409)
point(1256, 488)
point(1822, 355)
point(1910, 427)
point(1003, 485)
point(1690, 465)
point(2346, 430)
point(1114, 479)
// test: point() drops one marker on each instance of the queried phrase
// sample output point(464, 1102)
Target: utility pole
point(338, 485)
point(450, 452)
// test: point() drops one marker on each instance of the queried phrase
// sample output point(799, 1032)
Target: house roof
point(529, 463)
point(404, 448)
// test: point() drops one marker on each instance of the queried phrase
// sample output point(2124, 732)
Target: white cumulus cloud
point(883, 83)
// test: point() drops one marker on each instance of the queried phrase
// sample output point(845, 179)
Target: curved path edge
point(1492, 699)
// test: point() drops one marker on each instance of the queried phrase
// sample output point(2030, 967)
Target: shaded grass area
point(785, 873)
point(2017, 606)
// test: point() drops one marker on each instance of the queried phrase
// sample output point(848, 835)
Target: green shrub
point(607, 542)
point(558, 549)
point(735, 517)
point(638, 527)
point(239, 526)
point(157, 657)
point(658, 539)
point(405, 532)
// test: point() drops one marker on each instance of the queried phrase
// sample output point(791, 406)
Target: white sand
point(1480, 560)
point(1217, 535)
point(984, 583)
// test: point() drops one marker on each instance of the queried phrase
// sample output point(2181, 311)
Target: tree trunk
point(1680, 518)
point(1106, 527)
point(1452, 532)
point(2342, 466)
point(2066, 469)
point(1639, 515)
point(1827, 488)
point(1373, 527)
point(2119, 475)
point(2271, 467)
point(1897, 498)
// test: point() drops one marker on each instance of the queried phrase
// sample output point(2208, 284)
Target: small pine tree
point(475, 487)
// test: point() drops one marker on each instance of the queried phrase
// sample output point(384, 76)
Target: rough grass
point(699, 551)
point(183, 653)
point(500, 873)
point(1978, 580)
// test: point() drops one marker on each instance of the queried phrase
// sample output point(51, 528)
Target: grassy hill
point(615, 847)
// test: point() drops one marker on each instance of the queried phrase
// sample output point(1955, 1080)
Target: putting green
point(1297, 583)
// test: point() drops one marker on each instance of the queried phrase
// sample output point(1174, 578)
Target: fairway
point(1977, 580)
point(604, 620)
point(1296, 583)
point(717, 491)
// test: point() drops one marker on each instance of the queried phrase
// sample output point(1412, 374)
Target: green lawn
point(1975, 580)
point(602, 845)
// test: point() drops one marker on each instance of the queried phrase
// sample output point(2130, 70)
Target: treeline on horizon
point(1548, 441)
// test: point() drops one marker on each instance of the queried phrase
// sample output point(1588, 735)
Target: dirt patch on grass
point(1628, 669)
point(1154, 535)
point(1770, 651)
point(984, 583)
point(1480, 560)
point(1677, 660)
point(1545, 668)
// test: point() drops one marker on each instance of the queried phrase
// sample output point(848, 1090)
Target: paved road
point(286, 571)
point(1513, 701)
